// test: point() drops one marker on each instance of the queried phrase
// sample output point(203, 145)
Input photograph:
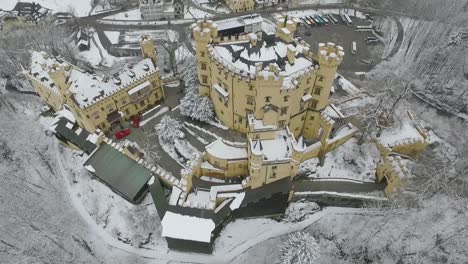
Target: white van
point(353, 47)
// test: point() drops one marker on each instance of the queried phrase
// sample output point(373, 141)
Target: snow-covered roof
point(279, 148)
point(245, 58)
point(222, 150)
point(86, 88)
point(139, 87)
point(187, 227)
point(239, 21)
point(40, 66)
point(258, 124)
point(220, 90)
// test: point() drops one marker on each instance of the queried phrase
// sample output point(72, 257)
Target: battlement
point(330, 54)
point(285, 28)
point(204, 30)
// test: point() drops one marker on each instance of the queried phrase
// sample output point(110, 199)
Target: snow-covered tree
point(300, 248)
point(197, 107)
point(169, 129)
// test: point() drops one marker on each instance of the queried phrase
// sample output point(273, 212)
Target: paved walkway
point(336, 185)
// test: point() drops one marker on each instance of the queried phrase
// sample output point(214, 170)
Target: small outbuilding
point(122, 174)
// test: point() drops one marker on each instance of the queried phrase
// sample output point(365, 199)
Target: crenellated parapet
point(285, 28)
point(204, 31)
point(330, 55)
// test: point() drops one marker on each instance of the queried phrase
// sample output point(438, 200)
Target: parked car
point(353, 47)
point(122, 133)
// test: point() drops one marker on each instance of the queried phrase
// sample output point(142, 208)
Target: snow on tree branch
point(169, 129)
point(300, 248)
point(197, 107)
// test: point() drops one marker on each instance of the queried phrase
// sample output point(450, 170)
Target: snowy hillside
point(78, 7)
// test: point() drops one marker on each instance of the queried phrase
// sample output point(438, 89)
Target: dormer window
point(131, 74)
point(146, 67)
point(267, 99)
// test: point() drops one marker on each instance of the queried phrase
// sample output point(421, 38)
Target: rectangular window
point(123, 100)
point(204, 79)
point(313, 104)
point(281, 123)
point(203, 66)
point(142, 103)
point(320, 78)
point(96, 115)
point(312, 118)
point(127, 112)
point(267, 99)
point(286, 98)
point(284, 110)
point(318, 90)
point(248, 112)
point(250, 100)
point(202, 54)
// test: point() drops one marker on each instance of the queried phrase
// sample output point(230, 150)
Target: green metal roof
point(119, 171)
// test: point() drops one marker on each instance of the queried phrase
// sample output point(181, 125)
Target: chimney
point(291, 54)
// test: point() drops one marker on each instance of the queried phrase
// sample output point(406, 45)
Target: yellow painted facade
point(298, 107)
point(126, 95)
point(278, 98)
point(240, 5)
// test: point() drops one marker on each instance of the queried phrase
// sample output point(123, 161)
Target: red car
point(122, 133)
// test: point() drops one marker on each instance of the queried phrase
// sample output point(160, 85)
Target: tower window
point(313, 104)
point(284, 110)
point(286, 98)
point(203, 66)
point(318, 90)
point(250, 100)
point(267, 99)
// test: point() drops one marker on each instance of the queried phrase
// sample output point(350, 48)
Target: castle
point(270, 86)
point(96, 102)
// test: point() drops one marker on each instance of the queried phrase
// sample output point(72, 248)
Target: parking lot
point(344, 35)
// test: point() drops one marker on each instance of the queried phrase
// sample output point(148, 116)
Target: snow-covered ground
point(217, 6)
point(113, 36)
point(133, 14)
point(196, 13)
point(322, 2)
point(137, 225)
point(394, 136)
point(134, 36)
point(310, 12)
point(349, 161)
point(80, 8)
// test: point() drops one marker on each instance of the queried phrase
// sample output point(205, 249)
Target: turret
point(285, 28)
point(329, 57)
point(204, 32)
point(147, 48)
point(297, 154)
point(255, 163)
